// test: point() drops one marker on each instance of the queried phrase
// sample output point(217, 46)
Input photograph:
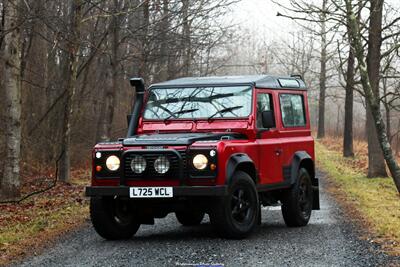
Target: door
point(269, 145)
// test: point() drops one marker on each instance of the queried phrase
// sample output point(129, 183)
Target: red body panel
point(270, 150)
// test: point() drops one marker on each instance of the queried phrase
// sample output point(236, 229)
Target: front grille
point(150, 157)
point(184, 162)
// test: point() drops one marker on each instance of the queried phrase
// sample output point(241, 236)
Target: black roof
point(259, 81)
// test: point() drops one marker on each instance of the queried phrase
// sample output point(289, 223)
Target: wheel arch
point(301, 159)
point(308, 164)
point(240, 162)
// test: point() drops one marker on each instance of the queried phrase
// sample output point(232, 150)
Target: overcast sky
point(261, 15)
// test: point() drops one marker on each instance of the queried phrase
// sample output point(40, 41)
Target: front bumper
point(178, 191)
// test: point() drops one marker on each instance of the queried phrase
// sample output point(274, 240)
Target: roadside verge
point(32, 225)
point(373, 203)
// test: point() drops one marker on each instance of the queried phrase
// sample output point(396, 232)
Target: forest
point(65, 67)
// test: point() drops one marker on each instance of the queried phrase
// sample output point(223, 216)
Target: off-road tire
point(107, 220)
point(298, 200)
point(236, 215)
point(189, 218)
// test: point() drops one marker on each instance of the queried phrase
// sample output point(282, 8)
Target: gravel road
point(328, 240)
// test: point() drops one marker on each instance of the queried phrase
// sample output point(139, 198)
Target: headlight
point(113, 163)
point(138, 164)
point(200, 161)
point(161, 164)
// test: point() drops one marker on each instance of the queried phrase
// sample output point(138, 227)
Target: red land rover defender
point(217, 145)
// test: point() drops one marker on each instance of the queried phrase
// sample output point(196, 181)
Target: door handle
point(278, 152)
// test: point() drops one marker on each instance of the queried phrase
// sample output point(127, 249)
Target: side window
point(292, 108)
point(264, 103)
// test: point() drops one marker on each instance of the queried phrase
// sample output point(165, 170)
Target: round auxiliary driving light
point(138, 164)
point(161, 164)
point(200, 161)
point(113, 163)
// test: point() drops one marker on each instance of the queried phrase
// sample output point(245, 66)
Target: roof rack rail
point(259, 81)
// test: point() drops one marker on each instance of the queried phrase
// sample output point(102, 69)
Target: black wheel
point(236, 215)
point(112, 218)
point(189, 218)
point(297, 201)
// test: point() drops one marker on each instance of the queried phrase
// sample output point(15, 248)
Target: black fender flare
point(303, 158)
point(298, 158)
point(236, 160)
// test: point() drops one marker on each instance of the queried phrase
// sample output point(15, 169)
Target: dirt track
point(329, 240)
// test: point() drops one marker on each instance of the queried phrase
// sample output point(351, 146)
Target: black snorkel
point(138, 83)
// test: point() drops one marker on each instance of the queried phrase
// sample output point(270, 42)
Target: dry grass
point(28, 227)
point(373, 202)
point(360, 160)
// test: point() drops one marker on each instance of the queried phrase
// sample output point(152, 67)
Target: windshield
point(199, 102)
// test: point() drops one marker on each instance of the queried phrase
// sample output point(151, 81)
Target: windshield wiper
point(180, 112)
point(202, 99)
point(222, 111)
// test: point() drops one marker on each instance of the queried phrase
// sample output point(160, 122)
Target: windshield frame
point(251, 85)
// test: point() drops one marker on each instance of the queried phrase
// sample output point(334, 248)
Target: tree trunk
point(337, 132)
point(10, 182)
point(143, 70)
point(187, 53)
point(376, 163)
point(398, 139)
point(387, 111)
point(371, 98)
point(106, 120)
point(322, 76)
point(2, 22)
point(73, 61)
point(164, 58)
point(348, 150)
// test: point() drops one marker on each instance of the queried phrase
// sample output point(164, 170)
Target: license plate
point(150, 192)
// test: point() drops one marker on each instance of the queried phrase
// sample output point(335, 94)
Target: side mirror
point(268, 120)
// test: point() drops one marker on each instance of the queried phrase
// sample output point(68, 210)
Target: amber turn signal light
point(213, 166)
point(98, 168)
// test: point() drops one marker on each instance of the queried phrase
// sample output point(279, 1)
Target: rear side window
point(292, 108)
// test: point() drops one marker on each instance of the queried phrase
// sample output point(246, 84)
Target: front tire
point(236, 215)
point(297, 201)
point(112, 218)
point(189, 218)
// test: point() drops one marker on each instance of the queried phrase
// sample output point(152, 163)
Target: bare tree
point(107, 109)
point(370, 95)
point(75, 9)
point(316, 14)
point(348, 150)
point(77, 56)
point(10, 181)
point(165, 57)
point(376, 165)
point(322, 75)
